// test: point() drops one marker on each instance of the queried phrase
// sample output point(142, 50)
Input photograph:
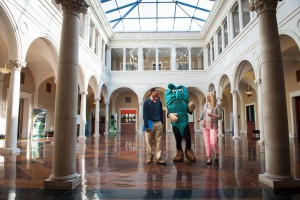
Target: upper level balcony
point(156, 59)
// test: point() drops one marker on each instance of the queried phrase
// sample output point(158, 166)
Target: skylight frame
point(191, 14)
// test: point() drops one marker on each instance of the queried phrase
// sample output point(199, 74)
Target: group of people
point(178, 107)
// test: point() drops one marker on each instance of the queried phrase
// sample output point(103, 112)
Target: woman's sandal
point(208, 162)
point(217, 159)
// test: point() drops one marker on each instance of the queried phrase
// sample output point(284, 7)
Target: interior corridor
point(113, 167)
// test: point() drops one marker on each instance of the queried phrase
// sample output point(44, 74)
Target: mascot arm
point(192, 106)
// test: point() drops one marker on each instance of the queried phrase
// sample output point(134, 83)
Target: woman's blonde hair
point(213, 99)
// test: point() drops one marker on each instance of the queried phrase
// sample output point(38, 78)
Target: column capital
point(106, 103)
point(75, 6)
point(263, 5)
point(257, 81)
point(83, 93)
point(17, 64)
point(97, 99)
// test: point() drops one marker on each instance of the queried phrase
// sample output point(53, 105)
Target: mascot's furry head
point(176, 93)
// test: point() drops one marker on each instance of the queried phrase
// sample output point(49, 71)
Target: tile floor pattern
point(113, 167)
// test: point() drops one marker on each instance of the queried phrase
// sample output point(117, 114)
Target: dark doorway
point(250, 119)
point(20, 119)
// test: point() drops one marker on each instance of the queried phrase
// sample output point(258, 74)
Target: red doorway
point(128, 121)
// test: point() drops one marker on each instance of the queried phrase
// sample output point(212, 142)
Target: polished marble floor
point(113, 167)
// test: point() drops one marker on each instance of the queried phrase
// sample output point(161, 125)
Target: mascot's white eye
point(180, 90)
point(174, 91)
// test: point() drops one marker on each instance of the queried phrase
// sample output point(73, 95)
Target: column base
point(105, 133)
point(261, 142)
point(81, 138)
point(80, 146)
point(220, 135)
point(96, 135)
point(236, 138)
point(273, 183)
point(9, 151)
point(61, 184)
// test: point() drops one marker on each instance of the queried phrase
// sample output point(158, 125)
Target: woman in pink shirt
point(210, 116)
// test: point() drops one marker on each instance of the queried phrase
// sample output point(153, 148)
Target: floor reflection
point(184, 182)
point(113, 167)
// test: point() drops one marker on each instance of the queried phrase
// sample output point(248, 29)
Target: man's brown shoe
point(190, 155)
point(149, 160)
point(179, 156)
point(161, 161)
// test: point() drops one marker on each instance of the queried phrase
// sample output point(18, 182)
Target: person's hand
point(148, 130)
point(192, 106)
point(173, 117)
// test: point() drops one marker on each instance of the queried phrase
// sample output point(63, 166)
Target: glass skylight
point(157, 15)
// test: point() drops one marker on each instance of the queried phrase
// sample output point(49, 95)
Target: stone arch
point(290, 51)
point(42, 53)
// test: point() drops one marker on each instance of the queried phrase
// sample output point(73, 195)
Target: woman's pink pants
point(210, 141)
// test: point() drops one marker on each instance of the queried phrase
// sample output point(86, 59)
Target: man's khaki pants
point(157, 131)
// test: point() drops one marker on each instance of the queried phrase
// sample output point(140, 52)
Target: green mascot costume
point(177, 100)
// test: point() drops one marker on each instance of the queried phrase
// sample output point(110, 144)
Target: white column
point(260, 111)
point(66, 101)
point(106, 118)
point(108, 58)
point(242, 115)
point(205, 58)
point(97, 113)
point(211, 52)
point(93, 30)
point(236, 130)
point(103, 58)
point(87, 27)
point(100, 45)
point(173, 58)
point(12, 113)
point(230, 26)
point(241, 18)
point(140, 59)
point(124, 59)
point(82, 115)
point(36, 99)
point(141, 121)
point(156, 58)
point(220, 125)
point(190, 59)
point(223, 37)
point(216, 45)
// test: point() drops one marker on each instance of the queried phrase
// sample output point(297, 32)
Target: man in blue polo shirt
point(153, 122)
